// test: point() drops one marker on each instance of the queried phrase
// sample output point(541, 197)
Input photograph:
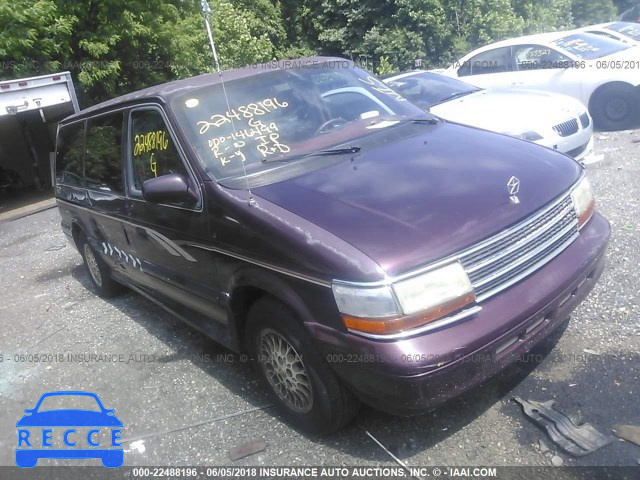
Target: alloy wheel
point(92, 264)
point(285, 371)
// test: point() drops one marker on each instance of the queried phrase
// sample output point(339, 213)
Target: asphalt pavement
point(184, 400)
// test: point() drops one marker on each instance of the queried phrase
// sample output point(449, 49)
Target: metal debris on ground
point(576, 440)
point(246, 449)
point(630, 433)
point(396, 459)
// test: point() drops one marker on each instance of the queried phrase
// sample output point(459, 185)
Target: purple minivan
point(354, 246)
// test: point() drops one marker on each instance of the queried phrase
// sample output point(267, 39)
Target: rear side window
point(538, 57)
point(69, 155)
point(153, 153)
point(492, 61)
point(103, 158)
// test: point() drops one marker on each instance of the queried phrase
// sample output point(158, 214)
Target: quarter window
point(103, 158)
point(69, 155)
point(493, 61)
point(151, 148)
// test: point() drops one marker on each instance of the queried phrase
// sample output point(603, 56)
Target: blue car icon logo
point(89, 432)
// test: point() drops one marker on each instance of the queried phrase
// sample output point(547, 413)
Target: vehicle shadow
point(423, 432)
point(418, 433)
point(186, 342)
point(634, 125)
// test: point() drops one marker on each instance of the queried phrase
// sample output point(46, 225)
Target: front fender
point(309, 301)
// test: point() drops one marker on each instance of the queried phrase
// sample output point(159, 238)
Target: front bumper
point(412, 375)
point(577, 145)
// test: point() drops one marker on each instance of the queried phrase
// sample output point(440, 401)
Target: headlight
point(439, 291)
point(420, 300)
point(365, 302)
point(530, 136)
point(583, 201)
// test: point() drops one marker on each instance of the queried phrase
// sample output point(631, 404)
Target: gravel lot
point(185, 401)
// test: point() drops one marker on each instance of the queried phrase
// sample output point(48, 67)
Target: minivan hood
point(428, 195)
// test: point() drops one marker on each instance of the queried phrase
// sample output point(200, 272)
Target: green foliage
point(624, 5)
point(35, 36)
point(241, 38)
point(117, 46)
point(385, 67)
point(588, 12)
point(544, 15)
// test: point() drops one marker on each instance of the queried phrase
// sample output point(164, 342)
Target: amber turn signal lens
point(586, 215)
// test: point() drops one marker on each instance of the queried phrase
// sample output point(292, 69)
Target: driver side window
point(151, 149)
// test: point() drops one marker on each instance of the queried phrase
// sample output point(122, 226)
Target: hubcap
point(285, 371)
point(617, 108)
point(92, 264)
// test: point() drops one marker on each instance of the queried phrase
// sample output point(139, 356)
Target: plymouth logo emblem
point(514, 188)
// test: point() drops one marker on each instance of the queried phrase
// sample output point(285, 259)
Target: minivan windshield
point(587, 46)
point(276, 118)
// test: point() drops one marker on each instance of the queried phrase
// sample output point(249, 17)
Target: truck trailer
point(30, 109)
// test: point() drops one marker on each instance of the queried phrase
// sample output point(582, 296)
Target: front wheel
point(614, 107)
point(299, 382)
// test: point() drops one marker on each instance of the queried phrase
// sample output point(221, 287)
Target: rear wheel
point(99, 272)
point(614, 107)
point(299, 382)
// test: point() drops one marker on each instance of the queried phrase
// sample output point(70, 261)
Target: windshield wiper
point(319, 153)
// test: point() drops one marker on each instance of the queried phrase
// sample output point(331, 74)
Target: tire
point(614, 107)
point(99, 272)
point(313, 400)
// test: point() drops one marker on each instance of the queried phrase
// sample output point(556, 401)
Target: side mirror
point(170, 188)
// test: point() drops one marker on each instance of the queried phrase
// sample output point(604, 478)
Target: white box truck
point(30, 109)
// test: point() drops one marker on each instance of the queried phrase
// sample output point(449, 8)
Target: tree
point(35, 36)
point(117, 46)
point(624, 5)
point(589, 12)
point(241, 38)
point(544, 15)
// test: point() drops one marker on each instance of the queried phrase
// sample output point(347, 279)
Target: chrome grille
point(566, 129)
point(585, 121)
point(508, 257)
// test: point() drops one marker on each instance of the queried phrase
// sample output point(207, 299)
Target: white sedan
point(626, 32)
point(555, 121)
point(604, 74)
